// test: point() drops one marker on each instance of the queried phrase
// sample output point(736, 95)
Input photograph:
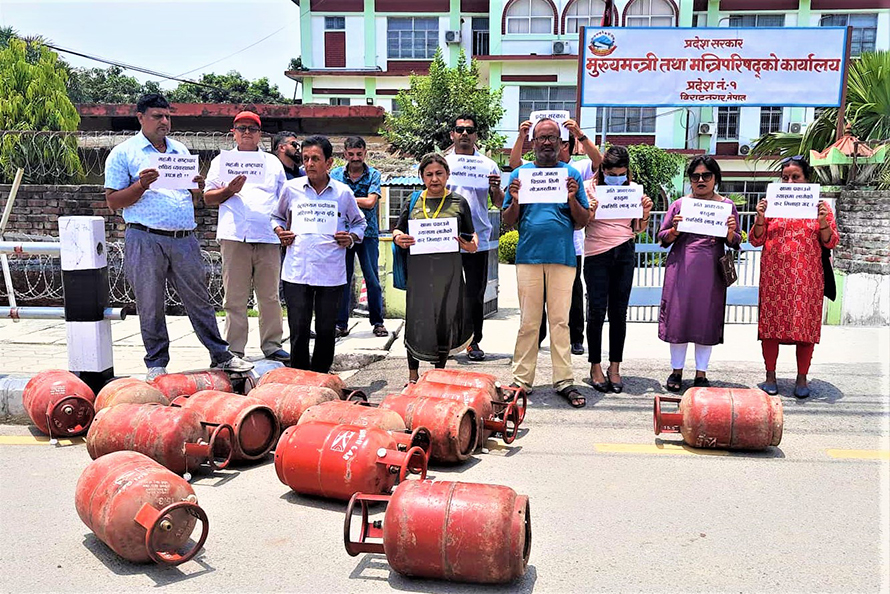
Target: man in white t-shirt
point(250, 250)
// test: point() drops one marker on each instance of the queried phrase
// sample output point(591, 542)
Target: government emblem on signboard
point(602, 44)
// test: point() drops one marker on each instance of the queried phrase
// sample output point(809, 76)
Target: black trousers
point(302, 301)
point(609, 279)
point(414, 364)
point(576, 311)
point(476, 279)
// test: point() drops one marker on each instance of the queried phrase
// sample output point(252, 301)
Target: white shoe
point(236, 365)
point(154, 372)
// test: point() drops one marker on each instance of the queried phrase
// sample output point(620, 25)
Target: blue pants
point(150, 260)
point(368, 256)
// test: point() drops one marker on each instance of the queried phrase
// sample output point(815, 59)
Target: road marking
point(37, 440)
point(658, 448)
point(860, 454)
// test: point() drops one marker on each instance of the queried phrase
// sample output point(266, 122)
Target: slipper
point(605, 386)
point(701, 382)
point(575, 398)
point(674, 382)
point(770, 388)
point(380, 330)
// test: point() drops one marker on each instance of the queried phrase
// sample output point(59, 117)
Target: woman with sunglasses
point(609, 262)
point(792, 280)
point(693, 299)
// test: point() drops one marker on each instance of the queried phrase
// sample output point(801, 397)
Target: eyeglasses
point(706, 176)
point(243, 129)
point(551, 138)
point(467, 129)
point(294, 144)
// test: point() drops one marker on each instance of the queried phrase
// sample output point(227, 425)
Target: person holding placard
point(693, 298)
point(160, 243)
point(317, 219)
point(251, 252)
point(548, 204)
point(792, 278)
point(438, 317)
point(609, 262)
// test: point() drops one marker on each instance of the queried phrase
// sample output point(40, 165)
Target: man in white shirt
point(251, 256)
point(317, 218)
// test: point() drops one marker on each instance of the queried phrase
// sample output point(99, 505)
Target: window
point(753, 191)
point(339, 100)
point(727, 123)
point(480, 36)
point(396, 107)
point(335, 23)
point(757, 20)
point(550, 98)
point(627, 120)
point(412, 38)
point(530, 16)
point(584, 13)
point(865, 29)
point(770, 120)
point(650, 13)
point(398, 197)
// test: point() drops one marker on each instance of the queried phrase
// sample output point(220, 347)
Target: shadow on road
point(330, 505)
point(771, 452)
point(163, 575)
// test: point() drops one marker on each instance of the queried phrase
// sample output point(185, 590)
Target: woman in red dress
point(791, 279)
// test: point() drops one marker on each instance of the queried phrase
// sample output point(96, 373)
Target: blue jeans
point(368, 256)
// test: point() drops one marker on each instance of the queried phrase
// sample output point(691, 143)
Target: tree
point(654, 168)
point(227, 88)
point(33, 98)
point(106, 85)
point(430, 104)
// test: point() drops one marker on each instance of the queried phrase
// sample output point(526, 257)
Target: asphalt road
point(613, 508)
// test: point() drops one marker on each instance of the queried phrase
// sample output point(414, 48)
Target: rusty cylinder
point(177, 438)
point(452, 424)
point(59, 403)
point(141, 510)
point(464, 532)
point(129, 390)
point(474, 379)
point(723, 418)
point(254, 423)
point(174, 385)
point(335, 461)
point(290, 401)
point(341, 412)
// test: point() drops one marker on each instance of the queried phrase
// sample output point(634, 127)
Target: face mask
point(615, 180)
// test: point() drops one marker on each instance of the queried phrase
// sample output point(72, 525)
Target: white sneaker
point(154, 372)
point(236, 365)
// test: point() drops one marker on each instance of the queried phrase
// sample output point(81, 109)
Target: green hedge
point(507, 247)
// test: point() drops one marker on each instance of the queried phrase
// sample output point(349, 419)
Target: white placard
point(793, 201)
point(468, 171)
point(557, 116)
point(673, 66)
point(314, 217)
point(176, 171)
point(541, 184)
point(248, 163)
point(705, 217)
point(619, 202)
point(433, 236)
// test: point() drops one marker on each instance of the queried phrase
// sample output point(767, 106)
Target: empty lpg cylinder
point(474, 379)
point(141, 510)
point(723, 418)
point(254, 423)
point(290, 401)
point(177, 438)
point(465, 532)
point(348, 412)
point(174, 385)
point(129, 390)
point(336, 461)
point(59, 403)
point(452, 424)
point(303, 377)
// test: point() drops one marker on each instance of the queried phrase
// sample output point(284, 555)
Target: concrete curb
point(11, 408)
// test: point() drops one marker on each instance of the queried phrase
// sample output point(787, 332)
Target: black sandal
point(674, 382)
point(575, 398)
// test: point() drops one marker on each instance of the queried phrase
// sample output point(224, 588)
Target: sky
point(168, 36)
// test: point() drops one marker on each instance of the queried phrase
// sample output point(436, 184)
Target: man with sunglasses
point(464, 134)
point(286, 147)
point(250, 250)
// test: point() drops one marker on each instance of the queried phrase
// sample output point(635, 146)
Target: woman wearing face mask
point(608, 271)
point(693, 299)
point(792, 280)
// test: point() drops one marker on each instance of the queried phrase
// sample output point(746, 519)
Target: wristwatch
point(582, 138)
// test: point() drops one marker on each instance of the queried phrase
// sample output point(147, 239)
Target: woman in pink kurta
point(791, 279)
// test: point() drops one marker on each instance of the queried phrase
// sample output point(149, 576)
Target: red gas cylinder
point(473, 379)
point(341, 412)
point(336, 461)
point(141, 510)
point(464, 532)
point(177, 438)
point(129, 390)
point(452, 424)
point(302, 377)
point(59, 403)
point(723, 418)
point(174, 385)
point(290, 401)
point(492, 416)
point(255, 424)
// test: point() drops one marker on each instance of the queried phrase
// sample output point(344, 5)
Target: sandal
point(380, 330)
point(674, 382)
point(617, 387)
point(575, 398)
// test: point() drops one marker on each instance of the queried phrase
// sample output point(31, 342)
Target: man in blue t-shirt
point(545, 258)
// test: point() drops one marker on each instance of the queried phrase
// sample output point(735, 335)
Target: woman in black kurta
point(437, 319)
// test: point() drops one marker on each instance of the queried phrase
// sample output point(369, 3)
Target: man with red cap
point(250, 250)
